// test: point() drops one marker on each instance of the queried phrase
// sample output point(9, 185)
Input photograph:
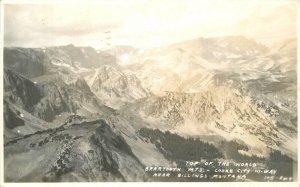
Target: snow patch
point(60, 64)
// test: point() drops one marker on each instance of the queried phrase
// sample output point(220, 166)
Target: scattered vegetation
point(231, 151)
point(281, 162)
point(176, 147)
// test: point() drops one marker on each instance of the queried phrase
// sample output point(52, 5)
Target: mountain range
point(79, 114)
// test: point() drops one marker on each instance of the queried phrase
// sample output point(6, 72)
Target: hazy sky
point(146, 23)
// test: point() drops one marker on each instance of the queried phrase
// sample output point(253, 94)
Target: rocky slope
point(114, 86)
point(89, 150)
point(219, 111)
point(49, 98)
point(27, 62)
point(230, 86)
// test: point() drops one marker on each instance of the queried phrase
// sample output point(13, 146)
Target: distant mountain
point(114, 86)
point(77, 57)
point(217, 48)
point(287, 47)
point(33, 62)
point(120, 50)
point(191, 65)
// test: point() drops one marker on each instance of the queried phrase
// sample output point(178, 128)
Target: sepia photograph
point(149, 91)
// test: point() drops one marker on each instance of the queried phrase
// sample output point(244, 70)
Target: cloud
point(280, 22)
point(28, 24)
point(144, 23)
